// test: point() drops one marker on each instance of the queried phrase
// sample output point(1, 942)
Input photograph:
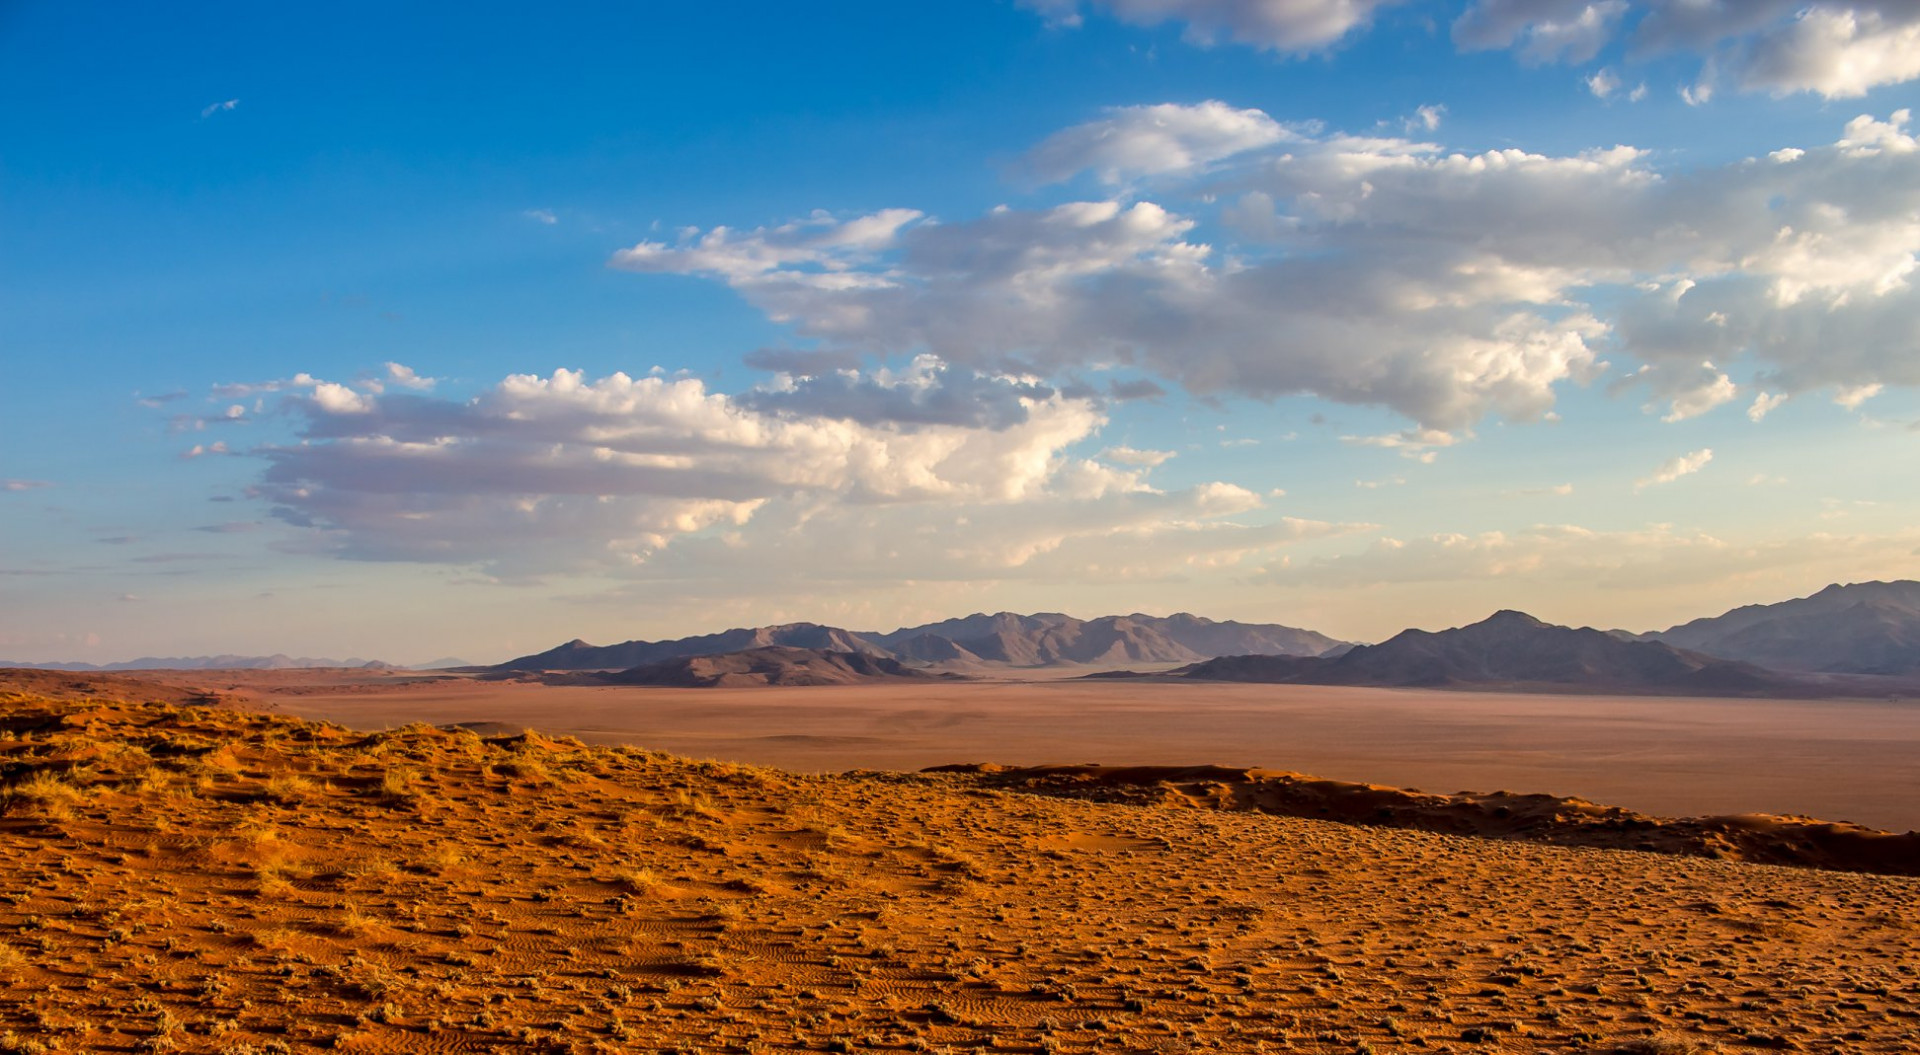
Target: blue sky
point(467, 330)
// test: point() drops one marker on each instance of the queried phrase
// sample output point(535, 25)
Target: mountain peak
point(1511, 617)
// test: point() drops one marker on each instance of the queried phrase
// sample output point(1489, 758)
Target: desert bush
point(531, 770)
point(398, 784)
point(641, 882)
point(439, 860)
point(45, 795)
point(289, 790)
point(1665, 1042)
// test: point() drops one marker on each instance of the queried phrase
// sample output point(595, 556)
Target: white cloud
point(339, 399)
point(1287, 26)
point(1764, 404)
point(1540, 30)
point(1160, 140)
point(1603, 83)
point(1389, 272)
point(1711, 389)
point(925, 392)
point(216, 108)
point(1674, 468)
point(544, 216)
point(405, 377)
point(23, 485)
point(1417, 444)
point(1136, 456)
point(1852, 396)
point(640, 476)
point(202, 450)
point(818, 251)
point(1832, 48)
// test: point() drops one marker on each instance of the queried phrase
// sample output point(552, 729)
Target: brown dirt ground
point(196, 879)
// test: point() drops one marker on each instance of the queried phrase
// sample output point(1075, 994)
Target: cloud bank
point(1375, 270)
point(1832, 48)
point(927, 473)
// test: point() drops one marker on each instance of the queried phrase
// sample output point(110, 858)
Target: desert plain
point(193, 865)
point(1836, 759)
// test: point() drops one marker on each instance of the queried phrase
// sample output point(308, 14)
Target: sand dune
point(204, 880)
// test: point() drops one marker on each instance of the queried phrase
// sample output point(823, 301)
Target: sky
point(410, 331)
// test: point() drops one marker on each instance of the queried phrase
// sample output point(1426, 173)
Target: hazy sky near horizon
point(417, 330)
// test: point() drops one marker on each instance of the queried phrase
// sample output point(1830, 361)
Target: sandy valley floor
point(1833, 759)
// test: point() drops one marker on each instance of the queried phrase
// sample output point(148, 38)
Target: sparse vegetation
point(619, 899)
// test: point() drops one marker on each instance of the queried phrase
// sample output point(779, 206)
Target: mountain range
point(1004, 639)
point(1862, 628)
point(1508, 650)
point(769, 666)
point(1859, 629)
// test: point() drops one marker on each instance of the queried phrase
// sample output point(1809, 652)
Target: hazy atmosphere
point(406, 332)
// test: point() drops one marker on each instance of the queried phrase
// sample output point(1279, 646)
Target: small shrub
point(289, 790)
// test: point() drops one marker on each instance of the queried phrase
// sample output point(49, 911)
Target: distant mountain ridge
point(1003, 639)
point(1859, 628)
point(277, 661)
point(773, 665)
point(1507, 649)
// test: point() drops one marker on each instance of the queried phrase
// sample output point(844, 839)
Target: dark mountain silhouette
point(1507, 649)
point(1004, 639)
point(1860, 628)
point(769, 666)
point(578, 655)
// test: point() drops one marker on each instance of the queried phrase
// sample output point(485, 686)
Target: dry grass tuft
point(1666, 1042)
point(616, 900)
point(289, 790)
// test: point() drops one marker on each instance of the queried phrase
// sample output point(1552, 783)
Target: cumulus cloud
point(926, 392)
point(1135, 456)
point(1541, 30)
point(1833, 48)
point(1132, 141)
point(1764, 404)
point(564, 473)
point(1690, 397)
point(1418, 444)
point(1286, 26)
point(1674, 468)
point(1386, 271)
point(1852, 396)
point(817, 252)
